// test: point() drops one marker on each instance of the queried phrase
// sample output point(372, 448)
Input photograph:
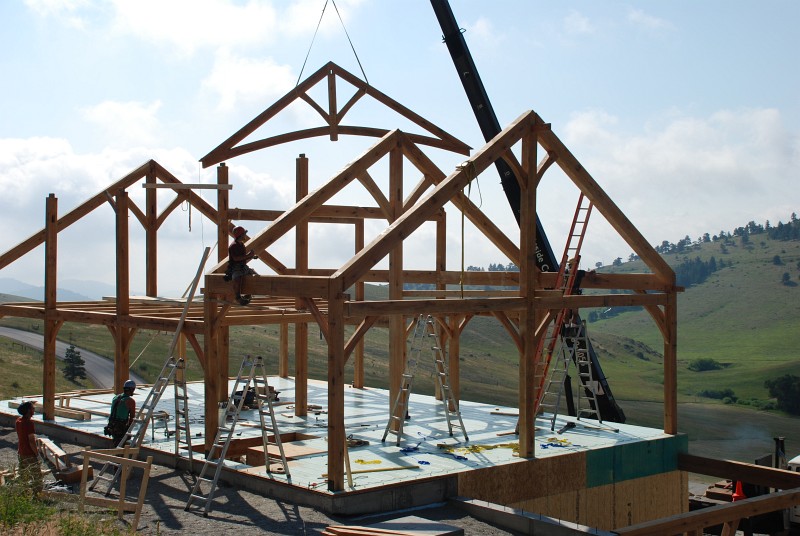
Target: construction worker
point(123, 411)
point(238, 257)
point(30, 470)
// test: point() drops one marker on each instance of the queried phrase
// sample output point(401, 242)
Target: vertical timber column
point(301, 268)
point(441, 267)
point(224, 332)
point(336, 432)
point(528, 280)
point(671, 364)
point(358, 360)
point(211, 383)
point(283, 350)
point(50, 311)
point(123, 333)
point(397, 332)
point(454, 354)
point(151, 235)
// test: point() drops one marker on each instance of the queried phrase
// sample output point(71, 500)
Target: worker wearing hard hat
point(123, 411)
point(238, 256)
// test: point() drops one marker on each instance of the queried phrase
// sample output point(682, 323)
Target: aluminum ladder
point(138, 428)
point(424, 328)
point(251, 374)
point(173, 367)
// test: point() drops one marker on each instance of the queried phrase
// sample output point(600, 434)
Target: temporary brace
point(257, 379)
point(424, 328)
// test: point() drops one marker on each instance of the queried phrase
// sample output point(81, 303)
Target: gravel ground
point(239, 511)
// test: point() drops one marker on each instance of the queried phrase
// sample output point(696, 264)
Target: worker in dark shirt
point(123, 411)
point(238, 257)
point(30, 469)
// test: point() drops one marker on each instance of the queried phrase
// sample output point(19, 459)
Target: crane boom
point(487, 120)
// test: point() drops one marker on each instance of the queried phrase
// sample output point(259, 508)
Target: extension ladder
point(566, 282)
point(424, 328)
point(251, 374)
point(172, 368)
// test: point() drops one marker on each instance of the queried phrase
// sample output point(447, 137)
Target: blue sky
point(685, 112)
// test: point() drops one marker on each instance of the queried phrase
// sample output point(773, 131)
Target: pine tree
point(74, 365)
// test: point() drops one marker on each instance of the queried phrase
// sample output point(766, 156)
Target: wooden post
point(336, 432)
point(358, 360)
point(151, 236)
point(528, 390)
point(50, 326)
point(671, 364)
point(397, 332)
point(211, 384)
point(453, 355)
point(283, 350)
point(224, 336)
point(301, 267)
point(122, 335)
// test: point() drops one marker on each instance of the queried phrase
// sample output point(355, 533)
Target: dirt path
point(237, 511)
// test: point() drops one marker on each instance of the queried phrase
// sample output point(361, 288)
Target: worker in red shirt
point(30, 470)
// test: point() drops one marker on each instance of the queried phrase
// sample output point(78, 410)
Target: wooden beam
point(122, 338)
point(306, 206)
point(529, 360)
point(188, 186)
point(671, 365)
point(50, 324)
point(603, 203)
point(336, 430)
point(759, 475)
point(434, 307)
point(715, 515)
point(74, 215)
point(406, 224)
point(150, 224)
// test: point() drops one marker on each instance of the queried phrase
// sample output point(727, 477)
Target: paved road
point(99, 369)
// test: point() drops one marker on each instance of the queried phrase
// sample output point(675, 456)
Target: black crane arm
point(490, 127)
point(487, 121)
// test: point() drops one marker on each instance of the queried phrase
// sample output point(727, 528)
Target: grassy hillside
point(743, 316)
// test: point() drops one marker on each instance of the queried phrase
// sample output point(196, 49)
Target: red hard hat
point(239, 231)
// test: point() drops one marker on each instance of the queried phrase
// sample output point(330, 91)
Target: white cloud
point(126, 123)
point(643, 20)
point(575, 23)
point(188, 25)
point(65, 10)
point(238, 80)
point(692, 174)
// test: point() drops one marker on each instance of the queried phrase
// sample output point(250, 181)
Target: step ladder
point(588, 390)
point(251, 374)
point(134, 437)
point(556, 384)
point(424, 329)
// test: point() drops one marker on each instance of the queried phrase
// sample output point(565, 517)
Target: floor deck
point(426, 452)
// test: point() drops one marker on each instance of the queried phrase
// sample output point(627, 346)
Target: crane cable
point(352, 47)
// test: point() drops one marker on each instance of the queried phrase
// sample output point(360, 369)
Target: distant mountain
point(18, 288)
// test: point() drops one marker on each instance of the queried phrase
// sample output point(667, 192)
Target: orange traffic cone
point(738, 495)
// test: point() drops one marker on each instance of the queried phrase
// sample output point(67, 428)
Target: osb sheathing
point(525, 480)
point(616, 505)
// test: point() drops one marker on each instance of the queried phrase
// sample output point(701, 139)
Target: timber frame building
point(334, 298)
